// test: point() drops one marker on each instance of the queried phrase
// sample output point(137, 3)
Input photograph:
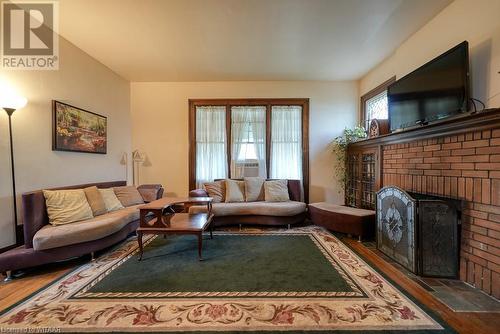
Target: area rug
point(252, 280)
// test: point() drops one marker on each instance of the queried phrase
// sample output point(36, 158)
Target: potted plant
point(340, 144)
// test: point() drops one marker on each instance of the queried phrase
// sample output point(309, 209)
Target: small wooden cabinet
point(362, 177)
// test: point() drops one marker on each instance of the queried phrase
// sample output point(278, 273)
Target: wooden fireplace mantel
point(483, 120)
point(365, 158)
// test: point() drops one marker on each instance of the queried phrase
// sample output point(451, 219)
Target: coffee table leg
point(211, 230)
point(200, 241)
point(139, 240)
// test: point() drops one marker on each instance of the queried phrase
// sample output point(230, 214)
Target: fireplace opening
point(419, 231)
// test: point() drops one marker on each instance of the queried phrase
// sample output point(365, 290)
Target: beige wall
point(80, 81)
point(476, 21)
point(160, 125)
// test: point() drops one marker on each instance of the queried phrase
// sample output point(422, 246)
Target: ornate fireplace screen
point(439, 238)
point(419, 231)
point(396, 236)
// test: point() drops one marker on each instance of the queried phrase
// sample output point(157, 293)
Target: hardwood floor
point(463, 322)
point(19, 288)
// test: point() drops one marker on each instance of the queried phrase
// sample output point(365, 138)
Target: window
point(376, 107)
point(249, 137)
point(248, 132)
point(286, 142)
point(210, 144)
point(374, 104)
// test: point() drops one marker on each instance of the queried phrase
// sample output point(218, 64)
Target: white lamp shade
point(10, 99)
point(124, 159)
point(15, 102)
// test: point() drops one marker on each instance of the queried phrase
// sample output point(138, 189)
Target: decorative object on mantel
point(138, 158)
point(78, 130)
point(378, 127)
point(339, 149)
point(11, 101)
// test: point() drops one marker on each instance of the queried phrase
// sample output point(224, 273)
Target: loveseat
point(257, 212)
point(45, 243)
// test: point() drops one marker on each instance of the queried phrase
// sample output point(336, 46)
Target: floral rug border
point(384, 308)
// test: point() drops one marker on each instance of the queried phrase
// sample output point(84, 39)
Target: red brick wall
point(466, 167)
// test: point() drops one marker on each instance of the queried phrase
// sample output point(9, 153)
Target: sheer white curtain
point(211, 153)
point(248, 132)
point(286, 142)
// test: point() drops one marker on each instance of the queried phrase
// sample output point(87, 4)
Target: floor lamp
point(11, 102)
point(124, 162)
point(137, 159)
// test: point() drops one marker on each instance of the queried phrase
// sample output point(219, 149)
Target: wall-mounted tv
point(436, 90)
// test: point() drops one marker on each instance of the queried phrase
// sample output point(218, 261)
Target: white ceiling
point(212, 40)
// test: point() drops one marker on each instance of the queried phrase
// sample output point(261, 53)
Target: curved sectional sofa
point(44, 243)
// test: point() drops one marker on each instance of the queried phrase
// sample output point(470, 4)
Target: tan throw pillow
point(95, 200)
point(128, 195)
point(110, 200)
point(254, 189)
point(276, 191)
point(235, 191)
point(216, 190)
point(67, 206)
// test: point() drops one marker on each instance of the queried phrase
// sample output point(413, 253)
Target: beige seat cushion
point(235, 191)
point(110, 200)
point(279, 209)
point(95, 200)
point(128, 195)
point(254, 189)
point(93, 229)
point(276, 191)
point(342, 209)
point(216, 190)
point(67, 206)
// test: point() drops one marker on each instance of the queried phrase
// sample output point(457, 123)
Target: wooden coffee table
point(164, 220)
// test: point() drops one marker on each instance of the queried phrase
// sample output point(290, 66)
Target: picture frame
point(78, 130)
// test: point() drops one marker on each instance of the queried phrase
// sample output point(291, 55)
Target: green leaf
point(339, 146)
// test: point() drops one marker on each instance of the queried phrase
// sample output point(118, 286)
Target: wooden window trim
point(374, 92)
point(268, 103)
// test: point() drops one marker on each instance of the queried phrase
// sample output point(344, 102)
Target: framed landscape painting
point(78, 130)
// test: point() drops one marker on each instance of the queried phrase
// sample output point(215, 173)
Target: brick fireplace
point(459, 161)
point(467, 167)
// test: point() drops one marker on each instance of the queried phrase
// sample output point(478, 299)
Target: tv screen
point(436, 90)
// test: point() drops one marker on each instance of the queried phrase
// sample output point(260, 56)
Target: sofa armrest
point(198, 193)
point(34, 215)
point(150, 192)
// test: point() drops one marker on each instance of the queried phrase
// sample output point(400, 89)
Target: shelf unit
point(362, 177)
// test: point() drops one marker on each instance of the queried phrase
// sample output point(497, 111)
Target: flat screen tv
point(436, 90)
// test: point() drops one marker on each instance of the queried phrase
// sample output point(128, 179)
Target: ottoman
point(344, 219)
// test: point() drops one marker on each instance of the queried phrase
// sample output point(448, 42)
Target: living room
point(238, 122)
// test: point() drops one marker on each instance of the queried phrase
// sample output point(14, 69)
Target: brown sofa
point(44, 243)
point(259, 213)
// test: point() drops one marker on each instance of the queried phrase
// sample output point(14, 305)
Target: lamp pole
point(10, 111)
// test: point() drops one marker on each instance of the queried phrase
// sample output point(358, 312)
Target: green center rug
point(254, 280)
